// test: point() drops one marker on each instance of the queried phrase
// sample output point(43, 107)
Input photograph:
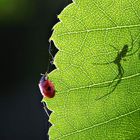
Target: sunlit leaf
point(90, 103)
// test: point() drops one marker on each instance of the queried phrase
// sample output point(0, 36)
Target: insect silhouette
point(124, 52)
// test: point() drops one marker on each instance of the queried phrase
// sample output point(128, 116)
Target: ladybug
point(47, 88)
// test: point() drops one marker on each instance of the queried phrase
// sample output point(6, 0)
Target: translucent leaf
point(97, 79)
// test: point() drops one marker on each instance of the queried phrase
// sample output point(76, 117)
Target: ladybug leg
point(45, 108)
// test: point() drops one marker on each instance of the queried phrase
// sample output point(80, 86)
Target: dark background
point(25, 27)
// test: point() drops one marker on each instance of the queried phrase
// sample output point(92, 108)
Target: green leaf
point(87, 35)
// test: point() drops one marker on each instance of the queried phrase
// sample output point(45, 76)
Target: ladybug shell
point(47, 88)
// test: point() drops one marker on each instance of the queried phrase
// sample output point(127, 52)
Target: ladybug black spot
point(49, 88)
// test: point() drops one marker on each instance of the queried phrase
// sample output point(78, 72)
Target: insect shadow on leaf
point(124, 52)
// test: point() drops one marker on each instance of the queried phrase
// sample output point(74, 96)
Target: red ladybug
point(47, 88)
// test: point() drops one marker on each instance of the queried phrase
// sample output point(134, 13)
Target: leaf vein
point(98, 29)
point(99, 124)
point(102, 83)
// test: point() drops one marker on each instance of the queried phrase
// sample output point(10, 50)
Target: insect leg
point(104, 63)
point(52, 58)
point(115, 48)
point(45, 108)
point(134, 51)
point(132, 44)
point(120, 72)
point(52, 52)
point(119, 76)
point(114, 87)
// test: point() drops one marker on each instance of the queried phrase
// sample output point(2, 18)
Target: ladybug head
point(43, 78)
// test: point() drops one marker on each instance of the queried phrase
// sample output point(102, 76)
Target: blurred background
point(25, 27)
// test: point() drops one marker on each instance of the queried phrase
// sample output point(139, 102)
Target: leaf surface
point(90, 36)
